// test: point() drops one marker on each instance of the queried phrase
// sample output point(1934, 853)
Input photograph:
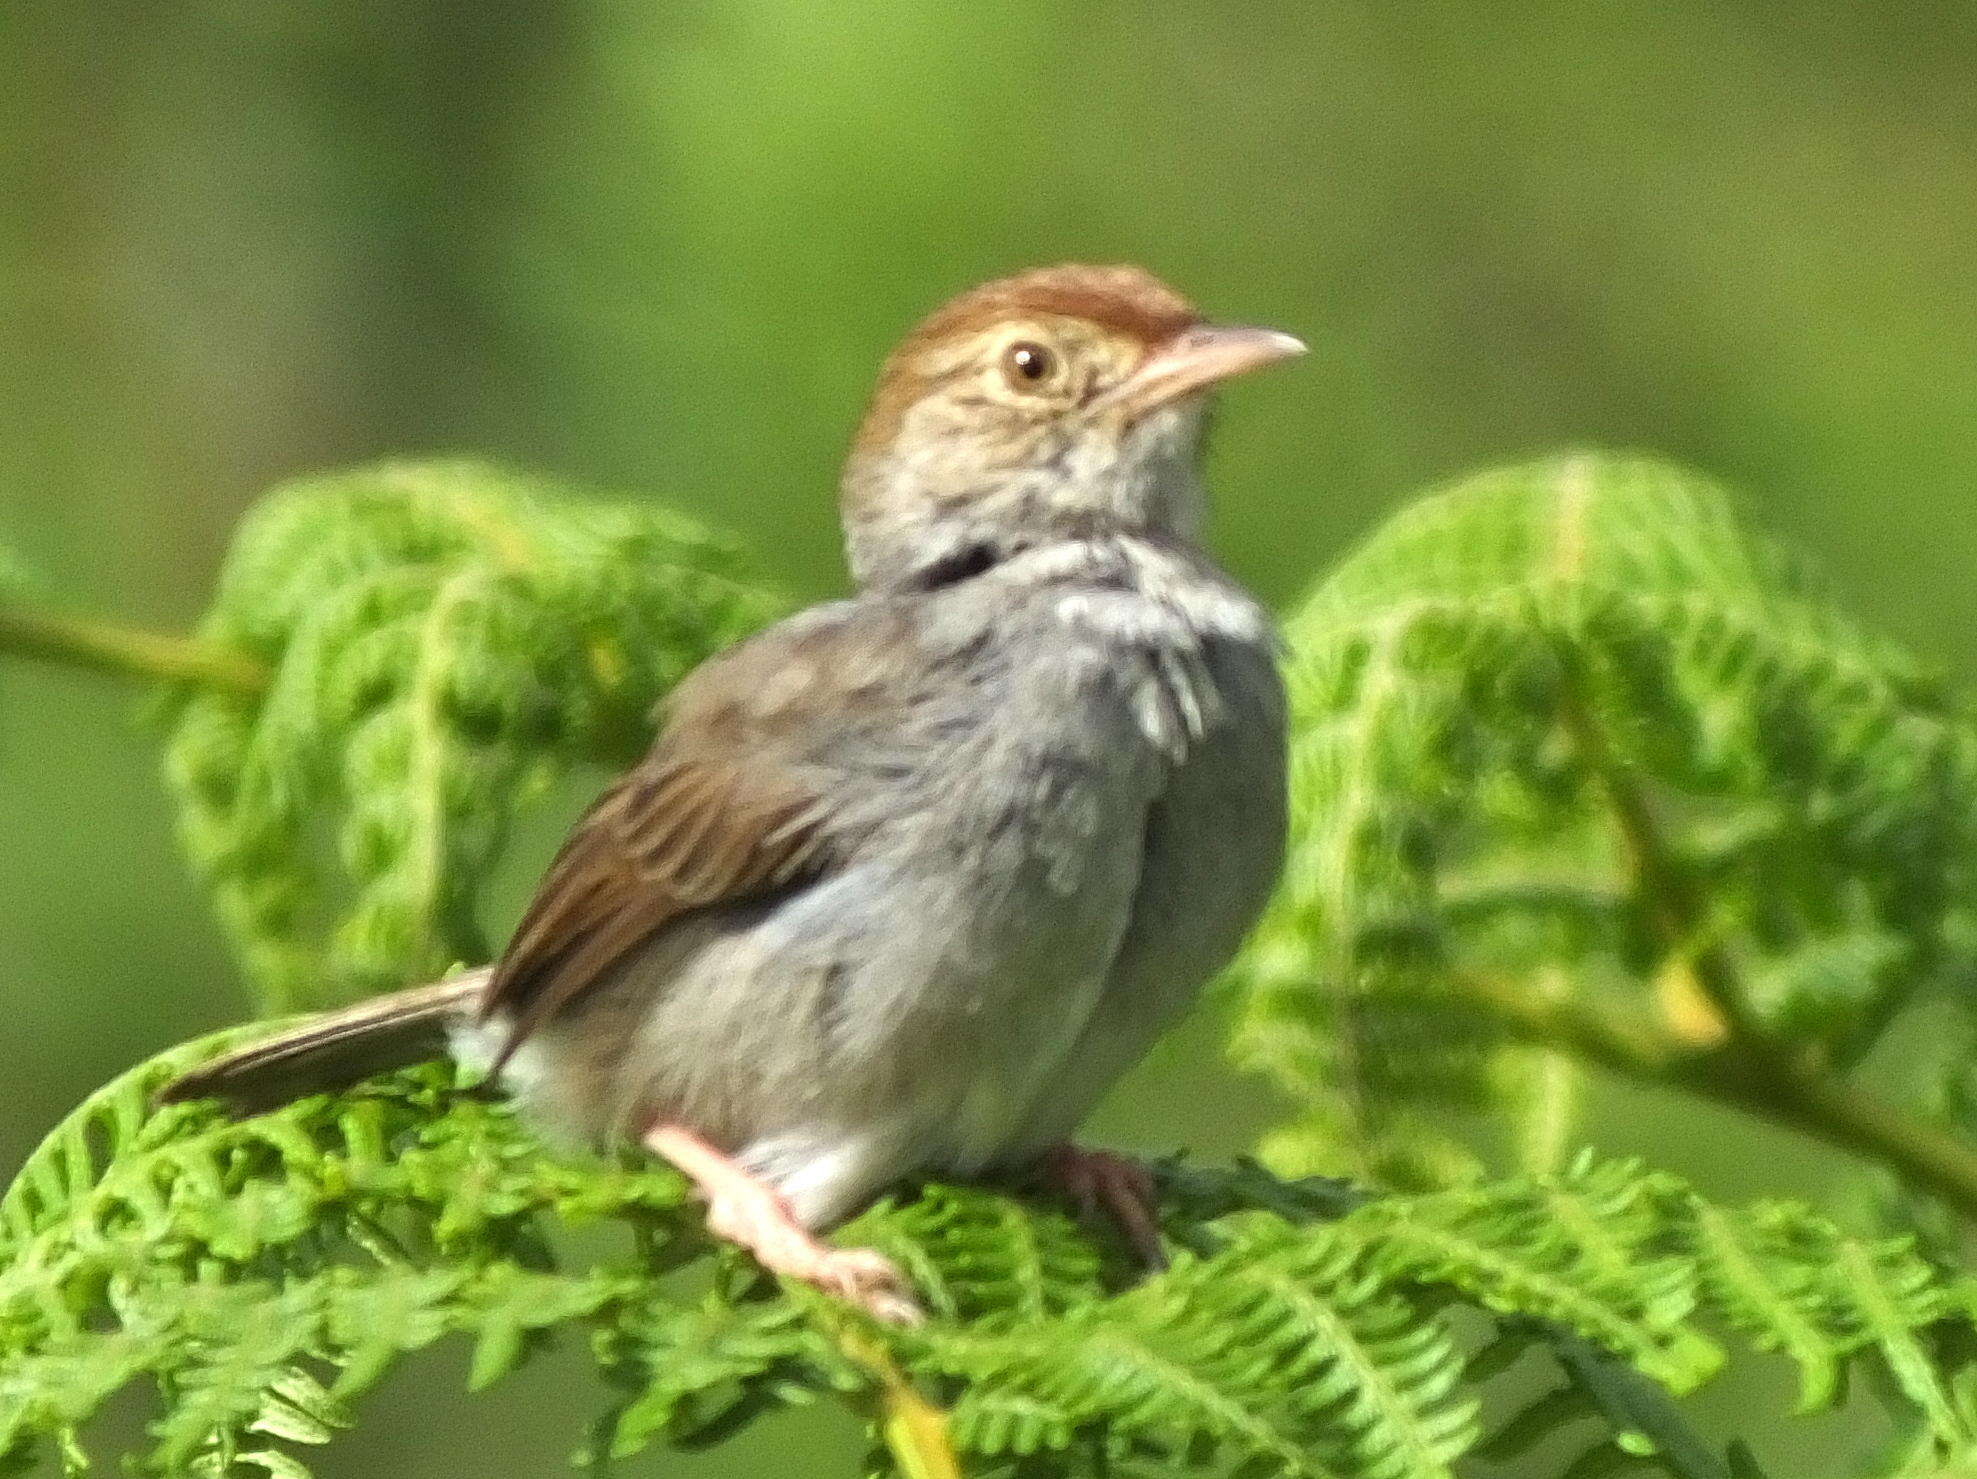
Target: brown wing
point(721, 811)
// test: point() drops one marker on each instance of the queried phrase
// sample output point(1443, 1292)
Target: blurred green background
point(661, 246)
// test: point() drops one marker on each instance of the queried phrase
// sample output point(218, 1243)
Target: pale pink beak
point(1195, 359)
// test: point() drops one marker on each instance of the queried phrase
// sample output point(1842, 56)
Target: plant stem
point(913, 1429)
point(1922, 1155)
point(128, 652)
point(1673, 905)
point(1749, 1068)
point(915, 1432)
point(1745, 1077)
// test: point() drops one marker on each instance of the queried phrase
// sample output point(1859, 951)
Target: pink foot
point(751, 1214)
point(1117, 1185)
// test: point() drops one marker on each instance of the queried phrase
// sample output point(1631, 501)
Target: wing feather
point(723, 810)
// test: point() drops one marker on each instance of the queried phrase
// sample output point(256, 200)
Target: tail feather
point(336, 1049)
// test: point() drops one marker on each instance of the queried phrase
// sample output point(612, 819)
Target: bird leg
point(1120, 1187)
point(745, 1210)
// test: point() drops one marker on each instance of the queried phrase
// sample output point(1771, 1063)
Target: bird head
point(1064, 402)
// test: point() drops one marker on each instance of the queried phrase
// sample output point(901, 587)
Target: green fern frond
point(1635, 1426)
point(442, 640)
point(1606, 1275)
point(1468, 690)
point(1792, 1282)
point(263, 1274)
point(1770, 1296)
point(972, 1256)
point(1282, 1351)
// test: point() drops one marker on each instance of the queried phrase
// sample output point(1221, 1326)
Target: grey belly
point(1214, 845)
point(882, 1024)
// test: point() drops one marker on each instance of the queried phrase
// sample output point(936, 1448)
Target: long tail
point(336, 1049)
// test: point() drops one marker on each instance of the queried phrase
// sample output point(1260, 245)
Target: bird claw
point(758, 1220)
point(746, 1211)
point(859, 1276)
point(870, 1280)
point(1116, 1186)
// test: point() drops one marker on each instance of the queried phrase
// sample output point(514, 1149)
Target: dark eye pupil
point(1032, 361)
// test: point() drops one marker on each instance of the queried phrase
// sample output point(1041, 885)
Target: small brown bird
point(909, 879)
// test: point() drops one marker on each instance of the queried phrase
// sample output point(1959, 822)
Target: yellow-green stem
point(913, 1428)
point(128, 652)
point(1756, 1082)
point(1749, 1068)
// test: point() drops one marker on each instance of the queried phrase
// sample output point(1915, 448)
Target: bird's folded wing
point(723, 810)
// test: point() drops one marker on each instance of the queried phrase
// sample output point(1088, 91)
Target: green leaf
point(1647, 1422)
point(444, 639)
point(1816, 787)
point(1770, 1295)
point(1607, 1278)
point(264, 1273)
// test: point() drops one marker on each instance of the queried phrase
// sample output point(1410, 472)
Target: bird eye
point(1029, 365)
